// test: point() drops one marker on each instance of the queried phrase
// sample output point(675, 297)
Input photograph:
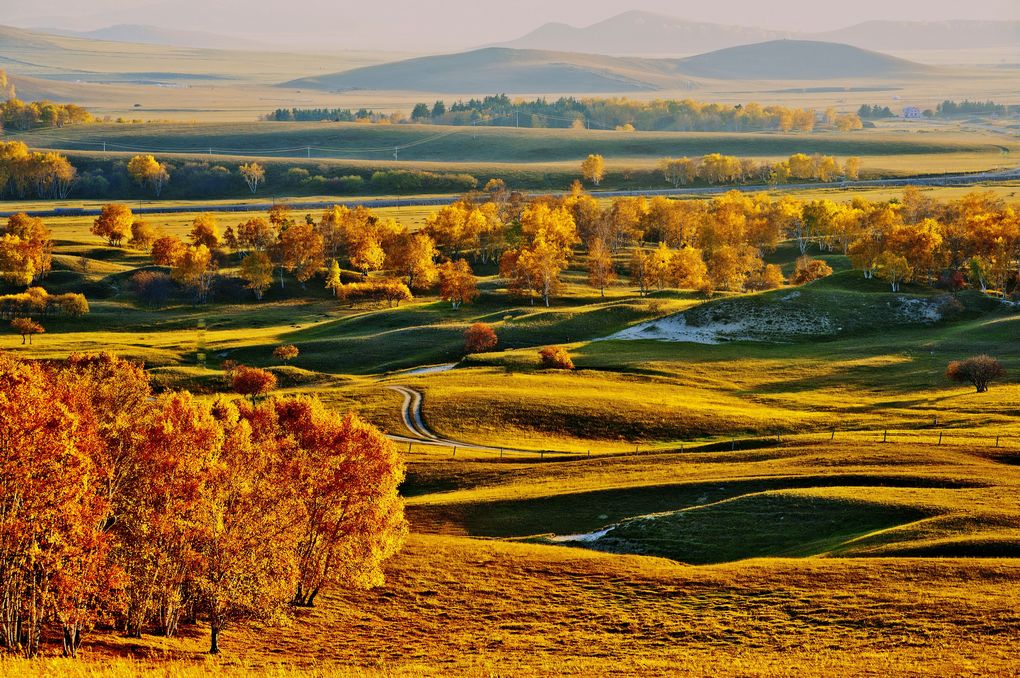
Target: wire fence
point(996, 444)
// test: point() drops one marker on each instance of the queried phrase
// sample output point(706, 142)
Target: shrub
point(555, 358)
point(153, 288)
point(768, 278)
point(480, 338)
point(978, 370)
point(391, 290)
point(809, 269)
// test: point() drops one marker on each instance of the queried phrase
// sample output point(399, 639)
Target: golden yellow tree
point(593, 169)
point(145, 169)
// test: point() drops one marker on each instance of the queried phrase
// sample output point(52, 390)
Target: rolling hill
point(798, 60)
point(647, 33)
point(499, 69)
point(506, 70)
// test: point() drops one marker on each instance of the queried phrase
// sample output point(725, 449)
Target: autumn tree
point(254, 175)
point(148, 171)
point(205, 231)
point(686, 269)
point(257, 272)
point(301, 252)
point(252, 382)
point(248, 564)
point(286, 353)
point(334, 278)
point(26, 250)
point(894, 269)
point(414, 255)
point(593, 169)
point(167, 250)
point(978, 370)
point(601, 271)
point(256, 235)
point(808, 269)
point(114, 224)
point(479, 338)
point(457, 283)
point(27, 328)
point(344, 475)
point(143, 235)
point(197, 270)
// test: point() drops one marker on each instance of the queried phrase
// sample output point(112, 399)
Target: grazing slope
point(532, 71)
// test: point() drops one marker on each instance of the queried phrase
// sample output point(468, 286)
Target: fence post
point(833, 436)
point(501, 453)
point(885, 436)
point(589, 454)
point(940, 438)
point(733, 444)
point(409, 447)
point(455, 450)
point(542, 453)
point(996, 441)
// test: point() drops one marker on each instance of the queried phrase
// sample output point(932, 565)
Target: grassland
point(806, 546)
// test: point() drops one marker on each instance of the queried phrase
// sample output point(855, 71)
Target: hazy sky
point(454, 24)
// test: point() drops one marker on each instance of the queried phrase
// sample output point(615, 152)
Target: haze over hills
point(154, 35)
point(537, 72)
point(636, 32)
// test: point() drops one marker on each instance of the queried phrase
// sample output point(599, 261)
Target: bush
point(392, 291)
point(480, 338)
point(768, 278)
point(555, 358)
point(978, 370)
point(153, 288)
point(809, 269)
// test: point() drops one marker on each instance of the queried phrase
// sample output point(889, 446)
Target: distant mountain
point(636, 33)
point(919, 35)
point(498, 69)
point(153, 35)
point(798, 60)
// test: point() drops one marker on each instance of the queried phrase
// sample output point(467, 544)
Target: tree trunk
point(214, 638)
point(72, 640)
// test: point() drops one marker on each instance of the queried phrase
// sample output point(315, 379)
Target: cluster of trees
point(949, 108)
point(140, 512)
point(37, 302)
point(623, 113)
point(715, 168)
point(874, 112)
point(20, 115)
point(42, 174)
point(26, 250)
point(917, 238)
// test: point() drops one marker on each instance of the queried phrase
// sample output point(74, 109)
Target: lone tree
point(978, 370)
point(26, 327)
point(252, 382)
point(286, 353)
point(254, 175)
point(593, 169)
point(480, 338)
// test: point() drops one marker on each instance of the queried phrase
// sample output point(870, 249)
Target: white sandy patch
point(432, 369)
point(585, 538)
point(675, 328)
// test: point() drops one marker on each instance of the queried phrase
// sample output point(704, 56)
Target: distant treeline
point(328, 114)
point(947, 109)
point(20, 115)
point(619, 113)
point(684, 115)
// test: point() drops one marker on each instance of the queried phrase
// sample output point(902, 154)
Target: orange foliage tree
point(479, 338)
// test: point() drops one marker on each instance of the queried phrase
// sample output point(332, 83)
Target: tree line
point(41, 174)
point(143, 512)
point(20, 116)
point(684, 115)
point(715, 168)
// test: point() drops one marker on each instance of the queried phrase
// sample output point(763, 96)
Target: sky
point(416, 25)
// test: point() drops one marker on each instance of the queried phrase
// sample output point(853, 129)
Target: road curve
point(411, 413)
point(375, 203)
